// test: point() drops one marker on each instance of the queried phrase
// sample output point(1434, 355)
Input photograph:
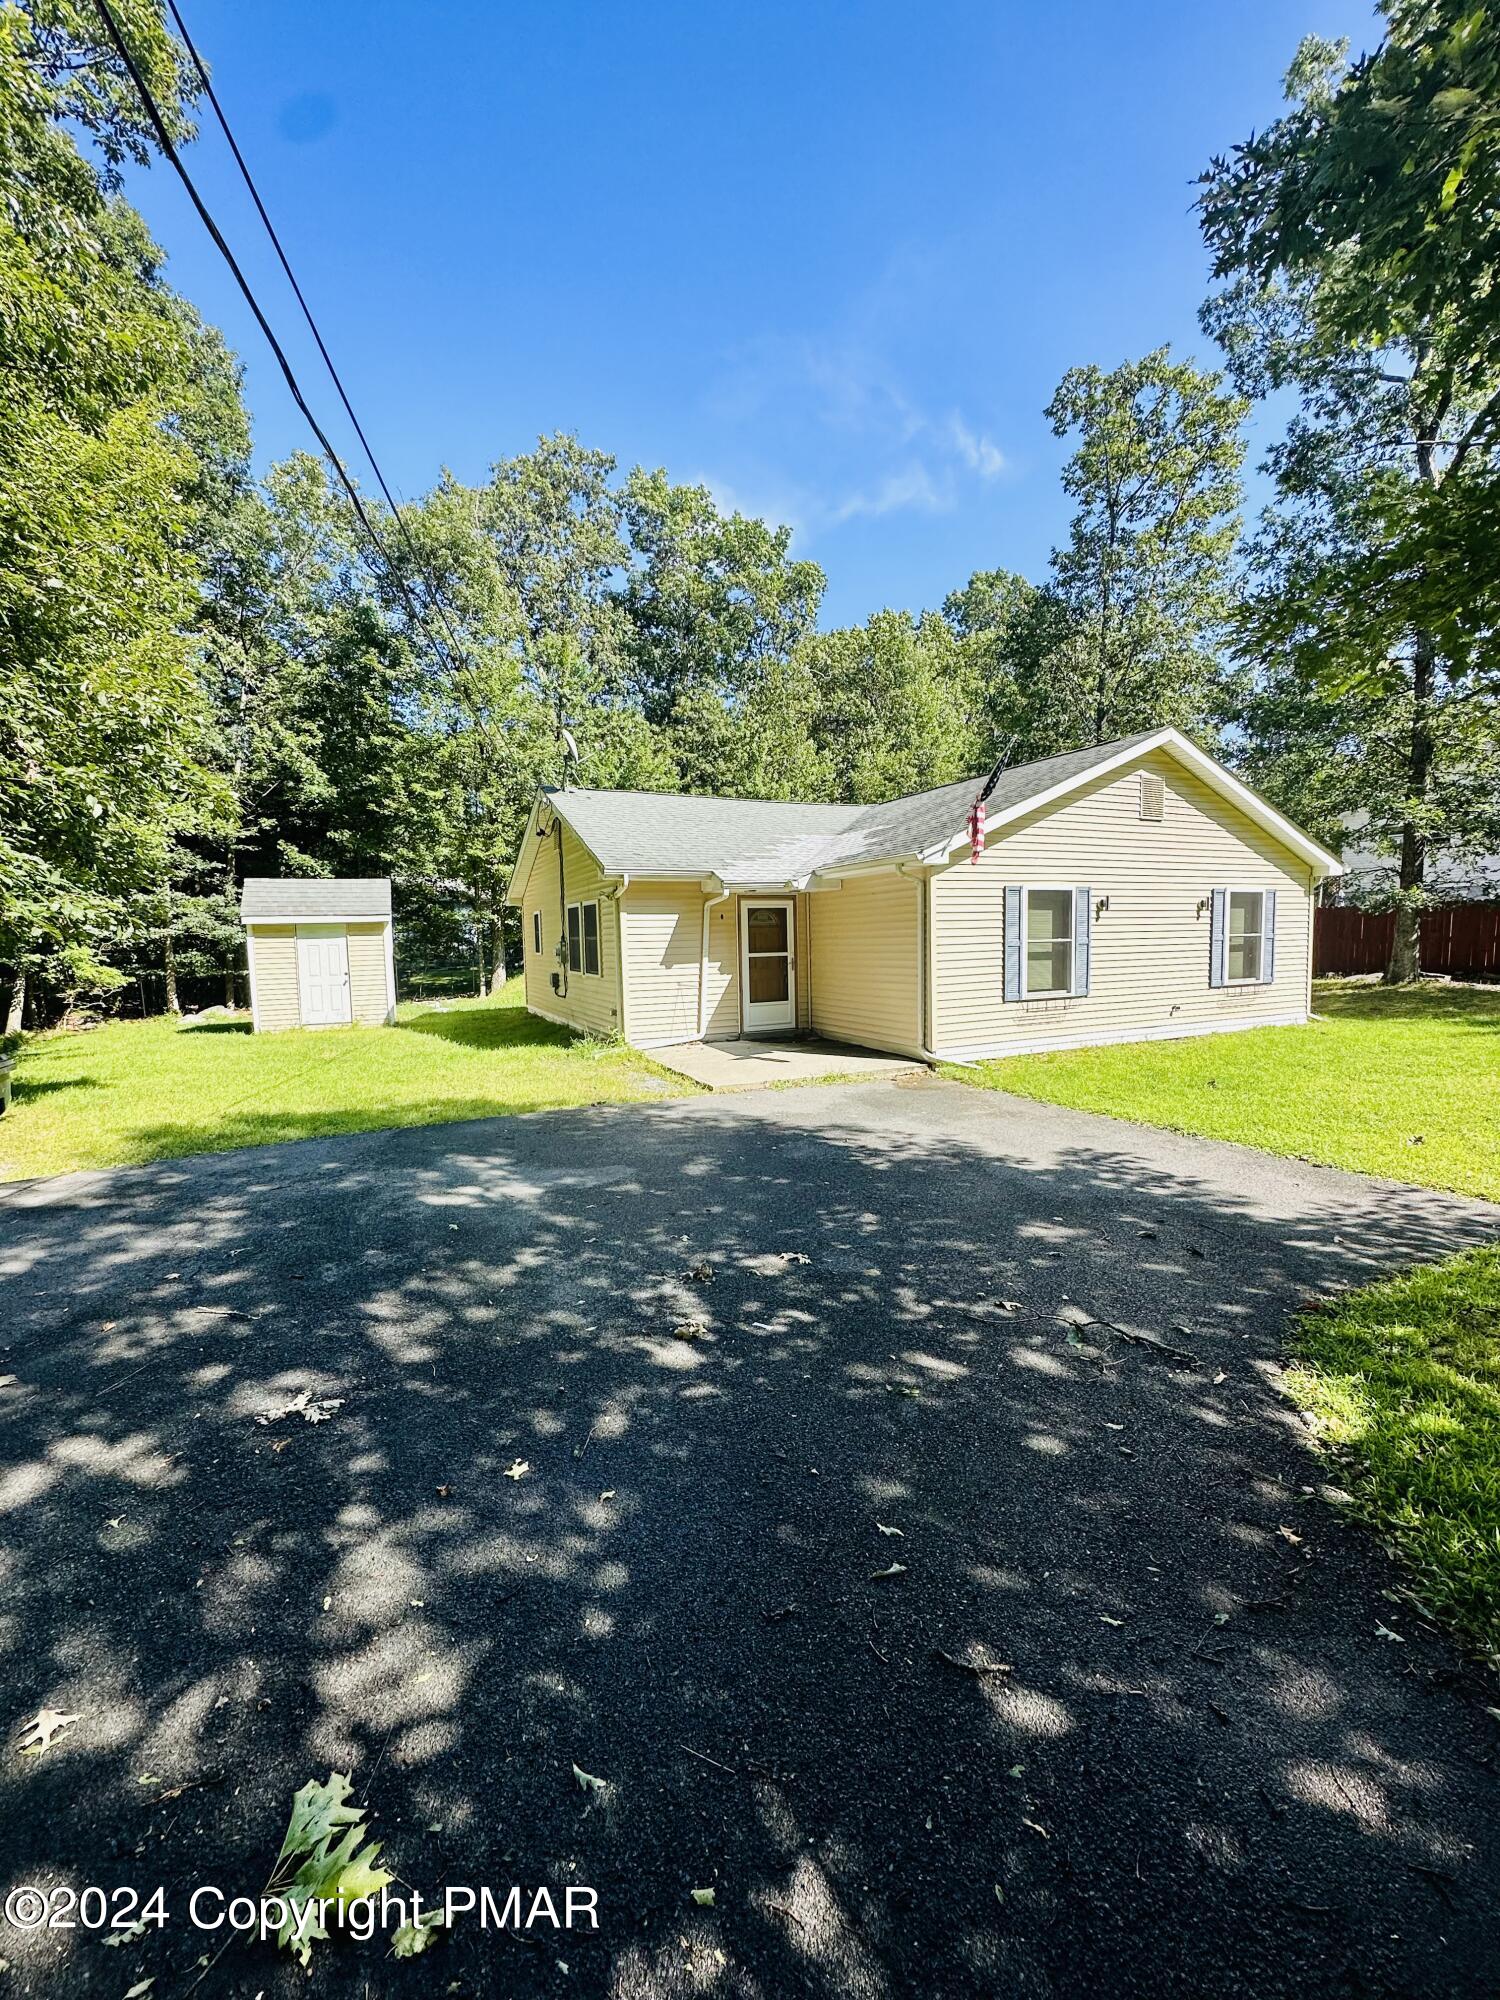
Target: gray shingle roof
point(314, 899)
point(770, 840)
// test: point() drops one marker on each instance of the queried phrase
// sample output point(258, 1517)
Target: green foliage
point(1352, 261)
point(326, 1857)
point(100, 493)
point(1145, 578)
point(1403, 1380)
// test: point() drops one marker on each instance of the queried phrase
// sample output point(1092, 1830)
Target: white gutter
point(712, 903)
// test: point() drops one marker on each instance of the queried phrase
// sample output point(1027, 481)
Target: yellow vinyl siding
point(592, 1001)
point(661, 925)
point(367, 994)
point(865, 946)
point(1150, 957)
point(662, 946)
point(276, 998)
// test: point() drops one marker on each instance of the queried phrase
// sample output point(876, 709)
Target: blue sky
point(828, 257)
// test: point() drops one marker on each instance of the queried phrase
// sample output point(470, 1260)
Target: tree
point(1146, 576)
point(711, 601)
point(1010, 631)
point(100, 487)
point(1362, 609)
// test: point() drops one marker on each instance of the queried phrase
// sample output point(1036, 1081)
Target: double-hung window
point(583, 937)
point(1048, 953)
point(1246, 936)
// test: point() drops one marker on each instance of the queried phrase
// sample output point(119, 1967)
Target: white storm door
point(323, 975)
point(768, 966)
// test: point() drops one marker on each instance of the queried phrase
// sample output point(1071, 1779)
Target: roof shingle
point(310, 899)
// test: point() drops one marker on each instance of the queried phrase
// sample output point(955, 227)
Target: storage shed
point(320, 952)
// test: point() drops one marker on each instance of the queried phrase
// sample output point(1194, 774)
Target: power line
point(164, 140)
point(307, 313)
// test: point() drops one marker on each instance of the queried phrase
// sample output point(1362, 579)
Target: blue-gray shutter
point(1217, 938)
point(1083, 904)
point(1268, 940)
point(1012, 943)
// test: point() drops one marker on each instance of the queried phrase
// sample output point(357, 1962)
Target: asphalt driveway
point(1137, 1715)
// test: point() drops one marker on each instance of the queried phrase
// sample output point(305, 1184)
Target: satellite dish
point(570, 750)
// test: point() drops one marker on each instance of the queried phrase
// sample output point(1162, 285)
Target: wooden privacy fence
point(1462, 939)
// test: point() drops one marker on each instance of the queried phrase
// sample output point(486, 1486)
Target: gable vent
point(1153, 795)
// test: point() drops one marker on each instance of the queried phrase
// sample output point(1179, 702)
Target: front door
point(768, 965)
point(323, 975)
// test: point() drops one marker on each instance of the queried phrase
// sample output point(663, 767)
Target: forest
point(208, 672)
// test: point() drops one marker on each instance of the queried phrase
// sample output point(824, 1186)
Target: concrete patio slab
point(751, 1062)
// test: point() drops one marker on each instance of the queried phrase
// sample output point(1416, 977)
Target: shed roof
point(309, 899)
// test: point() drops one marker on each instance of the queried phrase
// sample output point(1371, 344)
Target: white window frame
point(536, 930)
point(581, 968)
point(1259, 934)
point(1069, 890)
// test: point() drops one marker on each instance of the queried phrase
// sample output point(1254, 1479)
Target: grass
point(1402, 1082)
point(1403, 1381)
point(153, 1090)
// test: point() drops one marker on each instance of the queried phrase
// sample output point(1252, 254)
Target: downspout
point(618, 898)
point(562, 909)
point(710, 904)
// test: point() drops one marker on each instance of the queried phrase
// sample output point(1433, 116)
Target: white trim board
point(1040, 1044)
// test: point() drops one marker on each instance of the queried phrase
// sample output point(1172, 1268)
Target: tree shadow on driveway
point(1123, 1721)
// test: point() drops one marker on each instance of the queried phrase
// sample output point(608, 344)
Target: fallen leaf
point(1220, 1377)
point(328, 1604)
point(704, 1898)
point(608, 1493)
point(1287, 1535)
point(890, 1531)
point(895, 1569)
point(148, 1778)
point(1385, 1632)
point(311, 1409)
point(518, 1468)
point(116, 1521)
point(700, 1274)
point(1010, 1305)
point(1035, 1827)
point(141, 1988)
point(44, 1725)
point(127, 1936)
point(588, 1783)
point(1105, 1619)
point(407, 1940)
point(443, 1492)
point(690, 1329)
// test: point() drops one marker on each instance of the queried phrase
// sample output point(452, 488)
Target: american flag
point(976, 811)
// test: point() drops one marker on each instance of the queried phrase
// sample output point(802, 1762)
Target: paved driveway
point(1201, 1771)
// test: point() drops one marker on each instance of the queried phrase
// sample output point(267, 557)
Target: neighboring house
point(1122, 893)
point(1369, 875)
point(319, 951)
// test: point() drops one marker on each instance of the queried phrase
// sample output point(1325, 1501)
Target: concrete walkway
point(751, 1062)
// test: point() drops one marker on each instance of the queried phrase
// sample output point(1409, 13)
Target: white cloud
point(912, 489)
point(976, 450)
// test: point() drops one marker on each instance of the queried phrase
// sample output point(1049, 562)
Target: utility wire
point(307, 314)
point(164, 140)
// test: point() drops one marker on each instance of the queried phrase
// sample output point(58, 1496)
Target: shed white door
point(768, 966)
point(323, 975)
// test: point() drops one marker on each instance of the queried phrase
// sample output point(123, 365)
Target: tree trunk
point(17, 1003)
point(497, 975)
point(229, 987)
point(1405, 963)
point(169, 964)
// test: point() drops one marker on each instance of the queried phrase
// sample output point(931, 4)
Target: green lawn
point(1401, 1082)
point(1404, 1381)
point(151, 1090)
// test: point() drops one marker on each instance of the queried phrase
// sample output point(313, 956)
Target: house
point(1371, 876)
point(1123, 893)
point(320, 952)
